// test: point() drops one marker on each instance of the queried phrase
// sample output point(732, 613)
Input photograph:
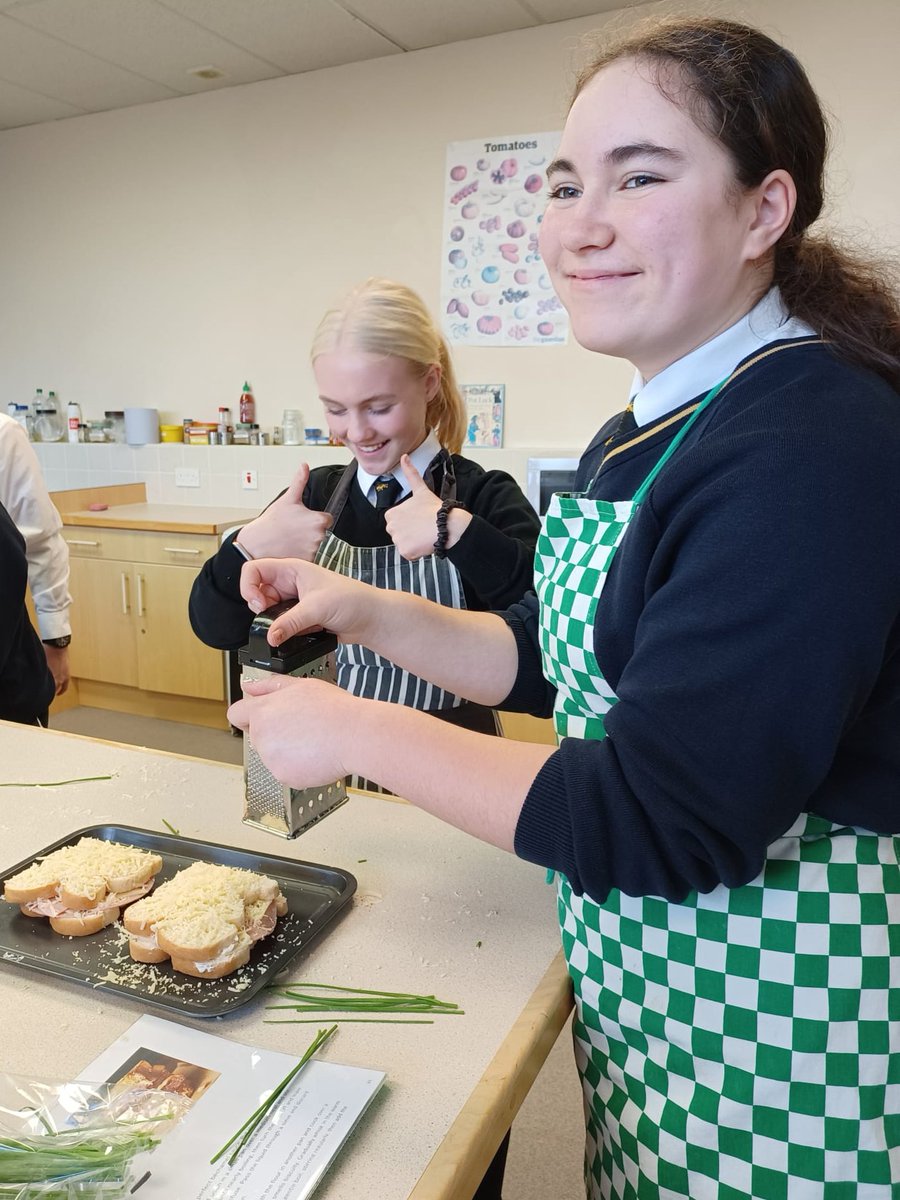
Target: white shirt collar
point(701, 369)
point(421, 457)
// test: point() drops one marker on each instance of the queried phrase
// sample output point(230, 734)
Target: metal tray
point(315, 895)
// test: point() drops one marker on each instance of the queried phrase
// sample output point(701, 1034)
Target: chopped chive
point(171, 828)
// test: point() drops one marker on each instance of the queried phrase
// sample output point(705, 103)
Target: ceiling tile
point(146, 38)
point(416, 24)
point(61, 72)
point(19, 106)
point(295, 36)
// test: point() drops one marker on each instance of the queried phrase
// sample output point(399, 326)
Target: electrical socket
point(186, 477)
point(248, 481)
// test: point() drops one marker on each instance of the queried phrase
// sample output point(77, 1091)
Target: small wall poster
point(495, 290)
point(484, 414)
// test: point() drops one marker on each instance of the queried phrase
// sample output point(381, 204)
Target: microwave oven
point(546, 476)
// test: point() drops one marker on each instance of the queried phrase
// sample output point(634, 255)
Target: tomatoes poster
point(495, 290)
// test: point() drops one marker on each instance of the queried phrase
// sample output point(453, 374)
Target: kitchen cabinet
point(129, 617)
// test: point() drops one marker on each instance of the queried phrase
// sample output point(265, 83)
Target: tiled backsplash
point(220, 468)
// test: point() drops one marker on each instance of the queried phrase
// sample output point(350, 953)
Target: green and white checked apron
point(745, 1042)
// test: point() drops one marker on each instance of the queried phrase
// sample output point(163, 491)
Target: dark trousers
point(491, 1187)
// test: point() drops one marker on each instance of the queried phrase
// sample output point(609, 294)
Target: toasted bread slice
point(206, 919)
point(71, 885)
point(215, 969)
point(80, 924)
point(196, 934)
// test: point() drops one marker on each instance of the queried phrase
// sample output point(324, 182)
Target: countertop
point(435, 912)
point(165, 518)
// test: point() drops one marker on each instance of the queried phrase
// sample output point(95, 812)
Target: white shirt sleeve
point(23, 494)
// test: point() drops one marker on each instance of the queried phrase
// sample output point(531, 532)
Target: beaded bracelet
point(440, 546)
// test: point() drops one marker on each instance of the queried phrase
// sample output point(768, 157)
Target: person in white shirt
point(24, 495)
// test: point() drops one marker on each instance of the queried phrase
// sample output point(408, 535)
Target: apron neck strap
point(338, 498)
point(677, 440)
point(443, 460)
point(705, 403)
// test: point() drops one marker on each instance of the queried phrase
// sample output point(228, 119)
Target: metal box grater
point(268, 804)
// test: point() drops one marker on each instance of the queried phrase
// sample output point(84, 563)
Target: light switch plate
point(186, 477)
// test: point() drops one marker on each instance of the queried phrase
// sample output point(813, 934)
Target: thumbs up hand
point(287, 528)
point(412, 525)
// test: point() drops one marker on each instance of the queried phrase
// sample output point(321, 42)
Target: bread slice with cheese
point(206, 919)
point(83, 887)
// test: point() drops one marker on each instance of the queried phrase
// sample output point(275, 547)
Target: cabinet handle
point(126, 607)
point(140, 595)
point(180, 550)
point(80, 542)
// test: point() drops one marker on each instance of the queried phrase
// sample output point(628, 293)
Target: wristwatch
point(59, 643)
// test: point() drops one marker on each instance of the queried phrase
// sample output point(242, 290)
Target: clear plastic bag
point(71, 1141)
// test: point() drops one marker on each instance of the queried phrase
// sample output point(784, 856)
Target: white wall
point(162, 254)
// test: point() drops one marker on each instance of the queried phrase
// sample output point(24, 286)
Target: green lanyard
point(677, 440)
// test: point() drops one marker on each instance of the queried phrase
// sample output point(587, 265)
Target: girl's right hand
point(287, 526)
point(325, 599)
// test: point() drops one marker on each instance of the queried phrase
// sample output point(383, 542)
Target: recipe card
point(208, 1087)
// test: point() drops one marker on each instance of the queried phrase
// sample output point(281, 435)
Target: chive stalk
point(60, 782)
point(246, 1131)
point(344, 1021)
point(306, 997)
point(97, 1155)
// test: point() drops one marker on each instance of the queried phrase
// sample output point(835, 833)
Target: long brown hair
point(753, 97)
point(383, 317)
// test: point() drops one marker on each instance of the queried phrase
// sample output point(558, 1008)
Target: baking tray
point(315, 896)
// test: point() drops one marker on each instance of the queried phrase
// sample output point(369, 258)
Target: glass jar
point(98, 431)
point(116, 426)
point(292, 427)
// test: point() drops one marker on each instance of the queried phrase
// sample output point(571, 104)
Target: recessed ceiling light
point(206, 72)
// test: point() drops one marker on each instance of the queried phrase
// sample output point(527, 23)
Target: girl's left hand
point(412, 525)
point(297, 727)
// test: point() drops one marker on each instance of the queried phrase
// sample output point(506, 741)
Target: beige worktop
point(435, 911)
point(165, 518)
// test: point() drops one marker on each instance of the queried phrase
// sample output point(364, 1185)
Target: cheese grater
point(268, 804)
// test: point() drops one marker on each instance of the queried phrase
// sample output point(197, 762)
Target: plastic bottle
point(73, 420)
point(11, 409)
point(292, 427)
point(247, 410)
point(36, 404)
point(49, 426)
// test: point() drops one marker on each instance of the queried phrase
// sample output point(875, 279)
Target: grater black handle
point(292, 654)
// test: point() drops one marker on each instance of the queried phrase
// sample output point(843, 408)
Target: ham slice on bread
point(206, 919)
point(83, 887)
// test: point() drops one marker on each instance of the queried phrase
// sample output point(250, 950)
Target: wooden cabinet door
point(103, 628)
point(171, 658)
